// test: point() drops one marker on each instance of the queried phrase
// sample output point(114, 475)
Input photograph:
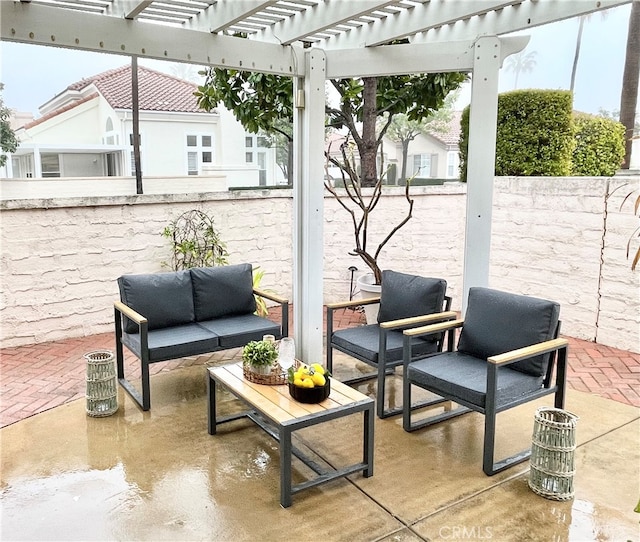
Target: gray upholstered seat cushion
point(455, 375)
point(164, 299)
point(363, 343)
point(222, 291)
point(496, 322)
point(406, 296)
point(234, 331)
point(175, 342)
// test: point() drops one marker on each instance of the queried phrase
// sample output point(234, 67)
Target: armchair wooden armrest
point(434, 328)
point(415, 320)
point(528, 351)
point(353, 303)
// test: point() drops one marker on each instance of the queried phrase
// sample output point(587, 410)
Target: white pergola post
point(308, 208)
point(481, 163)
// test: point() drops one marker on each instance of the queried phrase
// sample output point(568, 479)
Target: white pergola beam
point(519, 17)
point(417, 19)
point(320, 17)
point(481, 164)
point(129, 9)
point(44, 25)
point(229, 12)
point(412, 58)
point(308, 208)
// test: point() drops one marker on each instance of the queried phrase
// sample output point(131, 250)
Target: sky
point(33, 75)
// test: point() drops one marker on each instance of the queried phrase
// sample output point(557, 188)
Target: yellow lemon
point(318, 379)
point(297, 382)
point(308, 383)
point(318, 368)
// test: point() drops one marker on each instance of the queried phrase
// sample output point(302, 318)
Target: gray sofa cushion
point(222, 291)
point(234, 331)
point(458, 376)
point(164, 299)
point(405, 296)
point(497, 322)
point(363, 342)
point(175, 342)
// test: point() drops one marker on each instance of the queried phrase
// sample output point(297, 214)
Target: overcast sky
point(32, 75)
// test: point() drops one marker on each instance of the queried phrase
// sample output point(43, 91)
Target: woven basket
point(102, 385)
point(553, 454)
point(277, 377)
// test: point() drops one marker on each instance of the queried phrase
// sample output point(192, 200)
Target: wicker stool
point(553, 454)
point(102, 391)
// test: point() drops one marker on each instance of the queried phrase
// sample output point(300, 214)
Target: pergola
point(312, 41)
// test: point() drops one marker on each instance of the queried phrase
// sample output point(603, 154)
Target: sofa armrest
point(284, 309)
point(129, 313)
point(353, 303)
point(434, 328)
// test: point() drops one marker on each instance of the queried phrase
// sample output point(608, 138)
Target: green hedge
point(534, 136)
point(599, 146)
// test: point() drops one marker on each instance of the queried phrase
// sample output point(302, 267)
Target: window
point(425, 165)
point(200, 151)
point(249, 157)
point(50, 165)
point(452, 164)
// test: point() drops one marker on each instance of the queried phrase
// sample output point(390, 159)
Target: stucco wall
point(60, 258)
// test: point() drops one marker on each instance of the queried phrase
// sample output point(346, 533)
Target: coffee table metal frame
point(279, 415)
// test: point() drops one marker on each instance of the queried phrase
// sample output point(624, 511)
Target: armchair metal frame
point(557, 347)
point(385, 328)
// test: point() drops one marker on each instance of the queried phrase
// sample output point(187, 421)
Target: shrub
point(599, 146)
point(534, 134)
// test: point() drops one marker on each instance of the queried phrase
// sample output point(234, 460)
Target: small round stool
point(102, 390)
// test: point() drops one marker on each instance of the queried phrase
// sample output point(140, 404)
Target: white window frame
point(199, 151)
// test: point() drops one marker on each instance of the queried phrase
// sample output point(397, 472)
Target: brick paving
point(38, 377)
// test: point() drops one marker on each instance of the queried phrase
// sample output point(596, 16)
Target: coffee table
point(277, 413)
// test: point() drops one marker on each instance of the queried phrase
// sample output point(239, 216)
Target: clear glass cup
point(286, 353)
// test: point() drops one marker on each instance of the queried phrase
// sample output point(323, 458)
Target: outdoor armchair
point(405, 301)
point(506, 354)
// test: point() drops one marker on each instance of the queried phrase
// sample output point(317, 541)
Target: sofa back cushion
point(405, 296)
point(222, 291)
point(497, 322)
point(164, 299)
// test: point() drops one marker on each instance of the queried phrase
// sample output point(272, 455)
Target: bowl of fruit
point(309, 383)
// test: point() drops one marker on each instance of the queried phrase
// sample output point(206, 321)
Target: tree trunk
point(577, 53)
point(368, 146)
point(629, 94)
point(405, 155)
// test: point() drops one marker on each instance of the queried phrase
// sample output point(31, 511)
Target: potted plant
point(260, 356)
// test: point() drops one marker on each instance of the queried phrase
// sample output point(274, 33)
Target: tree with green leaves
point(8, 140)
point(259, 100)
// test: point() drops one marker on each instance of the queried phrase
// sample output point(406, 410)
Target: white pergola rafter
point(345, 38)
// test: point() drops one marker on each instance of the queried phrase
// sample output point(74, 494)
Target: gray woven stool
point(102, 385)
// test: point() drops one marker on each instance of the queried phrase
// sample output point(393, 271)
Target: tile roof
point(60, 110)
point(156, 91)
point(452, 135)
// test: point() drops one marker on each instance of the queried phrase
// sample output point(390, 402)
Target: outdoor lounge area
point(159, 475)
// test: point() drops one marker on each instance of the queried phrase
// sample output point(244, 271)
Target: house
point(87, 131)
point(432, 155)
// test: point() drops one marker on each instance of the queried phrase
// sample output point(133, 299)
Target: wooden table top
point(275, 401)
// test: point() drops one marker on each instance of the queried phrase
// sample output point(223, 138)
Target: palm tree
point(521, 62)
point(629, 94)
point(576, 56)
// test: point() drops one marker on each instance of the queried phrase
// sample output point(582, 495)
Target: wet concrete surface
point(160, 476)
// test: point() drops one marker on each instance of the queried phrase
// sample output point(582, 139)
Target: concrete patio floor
point(158, 475)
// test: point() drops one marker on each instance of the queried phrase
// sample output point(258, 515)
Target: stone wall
point(562, 239)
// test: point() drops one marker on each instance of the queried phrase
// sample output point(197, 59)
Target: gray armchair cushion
point(222, 291)
point(362, 342)
point(405, 296)
point(164, 299)
point(455, 375)
point(497, 322)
